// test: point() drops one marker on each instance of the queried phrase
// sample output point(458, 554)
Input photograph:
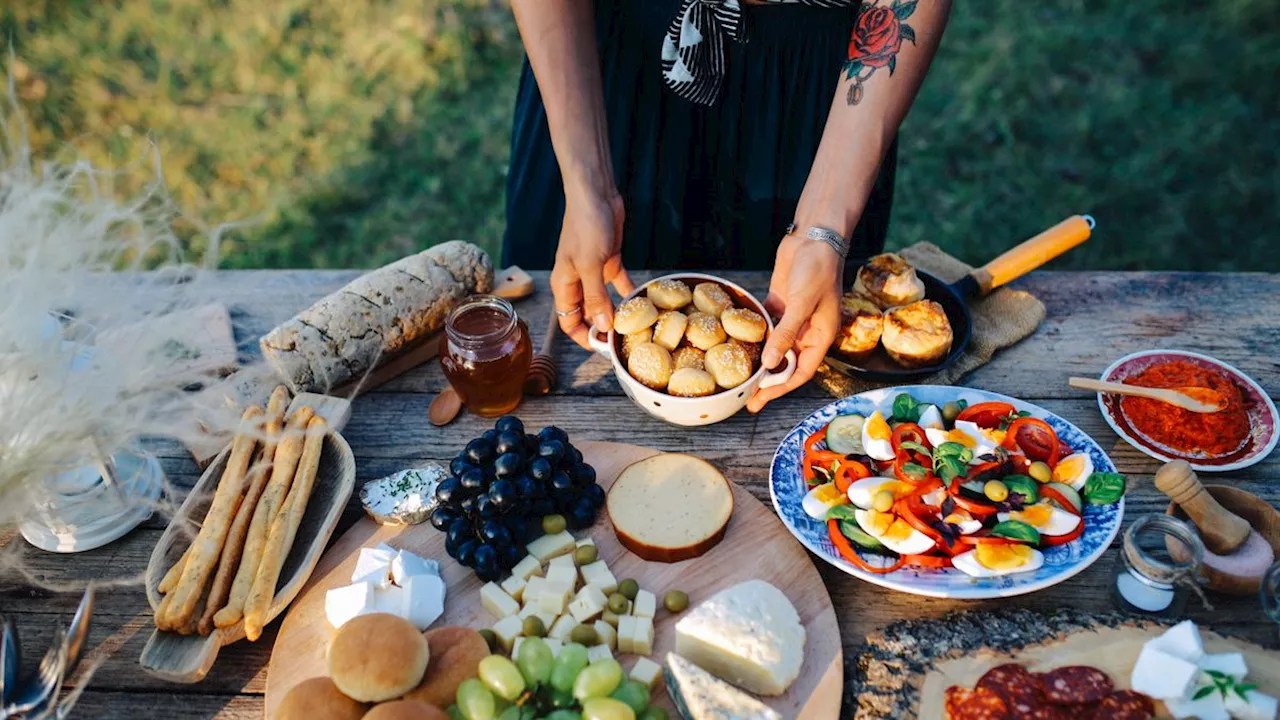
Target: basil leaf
point(915, 446)
point(950, 449)
point(914, 469)
point(1025, 486)
point(906, 409)
point(843, 511)
point(1016, 530)
point(1104, 488)
point(1203, 692)
point(949, 468)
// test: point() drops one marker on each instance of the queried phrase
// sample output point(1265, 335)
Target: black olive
point(595, 494)
point(503, 494)
point(509, 442)
point(442, 517)
point(584, 474)
point(552, 450)
point(509, 423)
point(460, 530)
point(449, 491)
point(551, 432)
point(467, 553)
point(495, 533)
point(508, 465)
point(473, 480)
point(480, 451)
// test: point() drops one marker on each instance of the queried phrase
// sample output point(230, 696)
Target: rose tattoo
point(877, 37)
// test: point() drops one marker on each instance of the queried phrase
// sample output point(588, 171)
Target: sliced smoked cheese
point(671, 507)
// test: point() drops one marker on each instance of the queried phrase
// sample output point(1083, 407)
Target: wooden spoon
point(1195, 399)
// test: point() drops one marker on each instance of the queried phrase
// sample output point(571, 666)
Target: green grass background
point(353, 133)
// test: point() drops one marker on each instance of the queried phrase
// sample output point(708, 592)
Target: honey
point(486, 355)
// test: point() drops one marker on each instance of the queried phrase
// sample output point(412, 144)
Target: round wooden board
point(756, 545)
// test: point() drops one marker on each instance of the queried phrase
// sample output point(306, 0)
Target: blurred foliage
point(355, 132)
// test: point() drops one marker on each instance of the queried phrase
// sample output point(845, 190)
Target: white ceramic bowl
point(699, 410)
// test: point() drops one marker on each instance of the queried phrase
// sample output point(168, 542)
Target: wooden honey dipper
point(1222, 530)
point(543, 375)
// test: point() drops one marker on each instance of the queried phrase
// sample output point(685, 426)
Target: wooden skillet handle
point(1033, 253)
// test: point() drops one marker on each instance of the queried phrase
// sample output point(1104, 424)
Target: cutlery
point(78, 633)
point(37, 692)
point(1195, 399)
point(10, 657)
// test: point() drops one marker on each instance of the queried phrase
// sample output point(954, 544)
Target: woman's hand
point(588, 258)
point(805, 292)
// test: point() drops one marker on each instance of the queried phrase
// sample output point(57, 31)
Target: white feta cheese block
point(562, 627)
point(749, 635)
point(550, 546)
point(699, 694)
point(561, 575)
point(1181, 641)
point(386, 547)
point(423, 600)
point(389, 599)
point(507, 629)
point(646, 671)
point(1254, 706)
point(405, 498)
point(406, 565)
point(587, 604)
point(1162, 676)
point(598, 574)
point(554, 597)
point(514, 586)
point(608, 634)
point(599, 652)
point(626, 633)
point(646, 605)
point(564, 561)
point(583, 542)
point(373, 565)
point(1207, 708)
point(1229, 663)
point(527, 568)
point(343, 603)
point(642, 636)
point(497, 601)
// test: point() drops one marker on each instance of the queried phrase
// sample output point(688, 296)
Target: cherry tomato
point(987, 415)
point(1035, 438)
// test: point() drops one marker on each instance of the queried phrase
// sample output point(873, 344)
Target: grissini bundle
point(234, 546)
point(207, 547)
point(171, 578)
point(284, 464)
point(283, 530)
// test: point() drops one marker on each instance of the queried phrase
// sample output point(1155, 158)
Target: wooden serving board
point(187, 658)
point(756, 545)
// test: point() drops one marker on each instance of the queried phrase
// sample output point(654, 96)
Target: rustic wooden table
point(1093, 318)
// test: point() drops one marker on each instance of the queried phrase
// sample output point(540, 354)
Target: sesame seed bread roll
point(711, 298)
point(743, 324)
point(688, 382)
point(669, 294)
point(650, 364)
point(669, 330)
point(728, 364)
point(704, 331)
point(631, 340)
point(687, 357)
point(634, 315)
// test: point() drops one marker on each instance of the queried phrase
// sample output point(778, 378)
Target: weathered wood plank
point(105, 704)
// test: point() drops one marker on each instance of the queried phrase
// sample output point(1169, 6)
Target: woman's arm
point(892, 45)
point(560, 39)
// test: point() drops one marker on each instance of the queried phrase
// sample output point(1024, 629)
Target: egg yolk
point(957, 517)
point(876, 428)
point(1069, 468)
point(899, 530)
point(896, 488)
point(878, 523)
point(995, 436)
point(961, 437)
point(1002, 557)
point(1035, 515)
point(828, 494)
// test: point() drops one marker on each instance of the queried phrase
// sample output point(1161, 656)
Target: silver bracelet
point(832, 238)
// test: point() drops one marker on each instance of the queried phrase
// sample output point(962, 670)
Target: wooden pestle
point(1222, 530)
point(543, 374)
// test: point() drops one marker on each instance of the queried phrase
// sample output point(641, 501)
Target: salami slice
point(976, 704)
point(1075, 685)
point(1046, 711)
point(1016, 685)
point(1124, 705)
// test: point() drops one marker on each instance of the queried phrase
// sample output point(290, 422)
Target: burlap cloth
point(999, 320)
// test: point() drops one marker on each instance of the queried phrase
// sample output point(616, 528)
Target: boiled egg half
point(993, 560)
point(931, 418)
point(894, 532)
point(968, 434)
point(1073, 470)
point(876, 435)
point(863, 492)
point(822, 498)
point(964, 522)
point(1048, 520)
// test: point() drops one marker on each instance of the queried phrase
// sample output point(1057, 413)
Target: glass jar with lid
point(486, 355)
point(1160, 562)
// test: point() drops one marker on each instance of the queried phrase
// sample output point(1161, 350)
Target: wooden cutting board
point(756, 545)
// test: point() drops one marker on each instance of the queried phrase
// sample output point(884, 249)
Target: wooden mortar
point(1264, 519)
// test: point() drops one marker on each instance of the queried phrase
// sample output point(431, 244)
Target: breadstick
point(171, 578)
point(283, 530)
point(162, 610)
point(234, 546)
point(207, 546)
point(284, 464)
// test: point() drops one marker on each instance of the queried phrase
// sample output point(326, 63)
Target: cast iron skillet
point(955, 298)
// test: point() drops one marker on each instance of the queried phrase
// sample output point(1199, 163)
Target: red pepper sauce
point(1206, 434)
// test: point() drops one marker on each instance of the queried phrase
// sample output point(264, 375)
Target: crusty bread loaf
point(456, 653)
point(343, 335)
point(318, 699)
point(378, 657)
point(406, 710)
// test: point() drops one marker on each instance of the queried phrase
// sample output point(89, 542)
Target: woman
point(705, 134)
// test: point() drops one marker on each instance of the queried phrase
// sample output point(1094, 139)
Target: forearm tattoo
point(878, 35)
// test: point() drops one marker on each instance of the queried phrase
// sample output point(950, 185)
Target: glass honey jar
point(486, 355)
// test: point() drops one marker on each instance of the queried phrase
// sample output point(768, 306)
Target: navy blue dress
point(704, 187)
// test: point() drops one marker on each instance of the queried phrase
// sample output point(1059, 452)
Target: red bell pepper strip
point(929, 561)
point(1059, 498)
point(987, 415)
point(850, 472)
point(848, 553)
point(907, 510)
point(1041, 442)
point(908, 432)
point(1051, 540)
point(900, 471)
point(977, 509)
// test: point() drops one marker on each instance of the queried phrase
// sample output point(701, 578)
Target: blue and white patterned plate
point(787, 487)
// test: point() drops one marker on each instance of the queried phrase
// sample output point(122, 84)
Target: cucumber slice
point(844, 434)
point(858, 536)
point(1070, 494)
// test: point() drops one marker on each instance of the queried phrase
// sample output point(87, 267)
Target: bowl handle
point(779, 377)
point(600, 346)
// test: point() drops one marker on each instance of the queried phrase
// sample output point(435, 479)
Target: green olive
point(618, 603)
point(584, 635)
point(1040, 472)
point(491, 638)
point(882, 501)
point(534, 627)
point(676, 600)
point(585, 555)
point(950, 411)
point(996, 491)
point(629, 588)
point(553, 524)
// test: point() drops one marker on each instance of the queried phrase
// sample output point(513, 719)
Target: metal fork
point(42, 689)
point(10, 659)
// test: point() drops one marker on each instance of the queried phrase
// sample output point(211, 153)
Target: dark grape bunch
point(502, 485)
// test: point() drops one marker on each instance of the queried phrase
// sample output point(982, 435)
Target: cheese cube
point(586, 541)
point(561, 575)
point(564, 561)
point(373, 565)
point(532, 587)
point(599, 652)
point(562, 627)
point(612, 617)
point(406, 565)
point(626, 633)
point(554, 597)
point(598, 574)
point(343, 603)
point(550, 546)
point(508, 629)
point(514, 586)
point(531, 609)
point(1162, 676)
point(647, 672)
point(1210, 707)
point(1256, 707)
point(423, 600)
point(642, 636)
point(646, 605)
point(1180, 641)
point(608, 635)
point(1229, 663)
point(527, 567)
point(588, 604)
point(497, 601)
point(389, 599)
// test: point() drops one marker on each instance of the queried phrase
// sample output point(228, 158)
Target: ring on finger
point(575, 310)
